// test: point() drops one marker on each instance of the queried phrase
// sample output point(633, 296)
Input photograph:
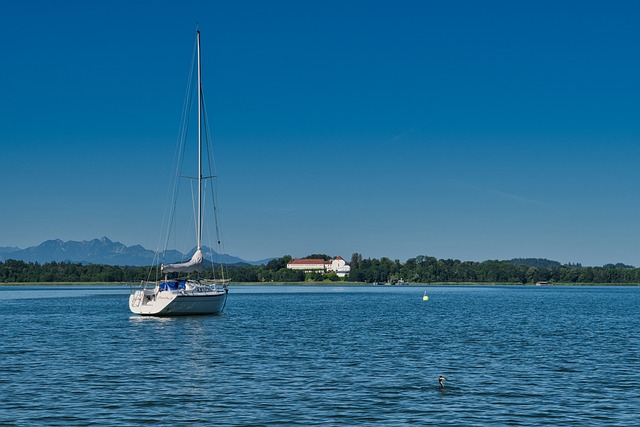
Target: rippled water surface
point(294, 355)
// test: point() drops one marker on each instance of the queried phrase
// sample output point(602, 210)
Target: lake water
point(302, 355)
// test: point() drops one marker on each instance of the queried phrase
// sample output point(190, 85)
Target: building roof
point(307, 261)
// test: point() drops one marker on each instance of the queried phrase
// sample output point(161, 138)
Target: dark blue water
point(281, 355)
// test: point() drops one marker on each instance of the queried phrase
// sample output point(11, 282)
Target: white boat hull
point(150, 302)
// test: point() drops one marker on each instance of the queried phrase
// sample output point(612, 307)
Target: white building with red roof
point(309, 265)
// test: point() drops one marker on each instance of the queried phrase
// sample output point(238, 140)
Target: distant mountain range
point(105, 251)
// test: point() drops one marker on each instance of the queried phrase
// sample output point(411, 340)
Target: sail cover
point(194, 264)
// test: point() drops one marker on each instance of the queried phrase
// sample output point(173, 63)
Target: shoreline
point(360, 284)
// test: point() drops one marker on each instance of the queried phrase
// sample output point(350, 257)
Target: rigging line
point(180, 152)
point(194, 208)
point(185, 238)
point(184, 246)
point(218, 252)
point(174, 184)
point(210, 251)
point(213, 170)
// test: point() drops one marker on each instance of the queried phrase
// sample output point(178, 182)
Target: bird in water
point(440, 381)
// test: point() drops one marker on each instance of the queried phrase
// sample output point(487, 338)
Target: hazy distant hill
point(7, 250)
point(618, 265)
point(104, 251)
point(535, 262)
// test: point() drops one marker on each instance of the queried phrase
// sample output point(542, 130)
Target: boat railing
point(223, 282)
point(144, 284)
point(203, 286)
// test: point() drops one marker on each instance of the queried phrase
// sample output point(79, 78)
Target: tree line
point(425, 269)
point(421, 269)
point(12, 271)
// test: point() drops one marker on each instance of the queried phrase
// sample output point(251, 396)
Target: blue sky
point(455, 129)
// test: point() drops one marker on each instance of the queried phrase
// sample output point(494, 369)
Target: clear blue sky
point(455, 129)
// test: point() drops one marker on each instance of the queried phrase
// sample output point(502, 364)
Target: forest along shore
point(416, 271)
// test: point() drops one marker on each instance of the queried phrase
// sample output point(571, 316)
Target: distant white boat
point(186, 295)
point(542, 283)
point(401, 282)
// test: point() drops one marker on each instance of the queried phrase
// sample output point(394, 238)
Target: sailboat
point(187, 295)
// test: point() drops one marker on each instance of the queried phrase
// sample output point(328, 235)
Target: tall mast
point(199, 230)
